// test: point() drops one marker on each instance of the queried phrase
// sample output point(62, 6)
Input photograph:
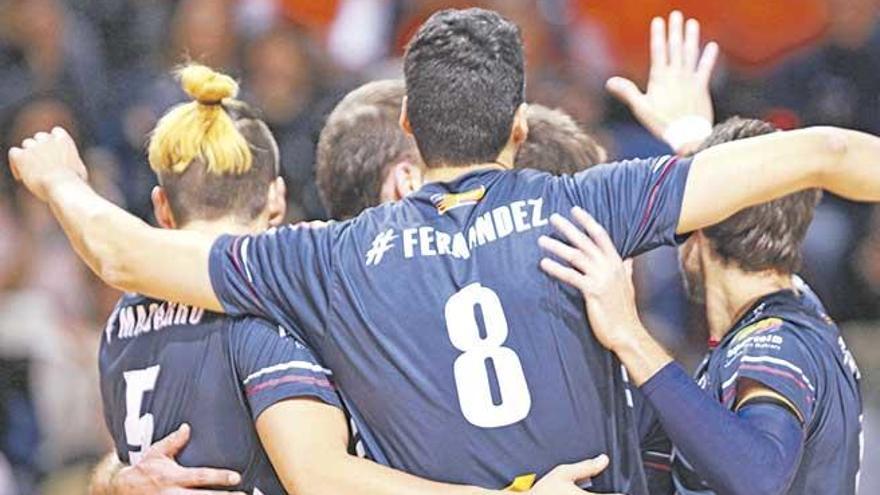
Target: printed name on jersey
point(139, 319)
point(848, 360)
point(513, 218)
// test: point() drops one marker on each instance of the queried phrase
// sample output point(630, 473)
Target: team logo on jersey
point(761, 326)
point(446, 202)
point(381, 244)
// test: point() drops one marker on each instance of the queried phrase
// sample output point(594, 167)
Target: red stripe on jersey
point(308, 380)
point(658, 466)
point(654, 190)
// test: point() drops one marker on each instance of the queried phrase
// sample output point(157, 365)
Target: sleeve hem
point(215, 271)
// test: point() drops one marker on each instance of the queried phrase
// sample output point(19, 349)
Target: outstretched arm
point(731, 176)
point(677, 108)
point(121, 249)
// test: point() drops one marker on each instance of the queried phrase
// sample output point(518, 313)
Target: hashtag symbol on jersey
point(381, 244)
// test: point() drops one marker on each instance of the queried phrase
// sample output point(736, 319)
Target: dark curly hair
point(464, 83)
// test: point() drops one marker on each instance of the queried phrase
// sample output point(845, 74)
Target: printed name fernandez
point(518, 216)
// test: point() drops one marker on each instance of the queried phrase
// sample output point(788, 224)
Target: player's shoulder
point(774, 341)
point(253, 332)
point(133, 298)
point(254, 326)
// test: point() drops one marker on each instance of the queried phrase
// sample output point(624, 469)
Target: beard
point(694, 283)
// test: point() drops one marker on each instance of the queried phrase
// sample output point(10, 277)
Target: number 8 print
point(470, 370)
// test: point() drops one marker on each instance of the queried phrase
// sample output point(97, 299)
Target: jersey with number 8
point(459, 359)
point(471, 373)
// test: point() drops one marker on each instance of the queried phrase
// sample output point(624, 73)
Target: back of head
point(767, 236)
point(360, 142)
point(213, 156)
point(386, 94)
point(556, 143)
point(464, 83)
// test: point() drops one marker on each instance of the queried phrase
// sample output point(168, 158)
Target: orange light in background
point(752, 34)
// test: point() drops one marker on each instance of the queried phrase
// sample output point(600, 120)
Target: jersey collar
point(755, 312)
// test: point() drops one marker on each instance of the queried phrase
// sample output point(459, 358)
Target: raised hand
point(45, 160)
point(563, 480)
point(677, 106)
point(597, 271)
point(158, 473)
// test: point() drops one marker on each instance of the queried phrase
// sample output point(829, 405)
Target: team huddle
point(468, 323)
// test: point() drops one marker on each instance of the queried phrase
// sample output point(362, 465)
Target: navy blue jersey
point(787, 343)
point(163, 364)
point(459, 359)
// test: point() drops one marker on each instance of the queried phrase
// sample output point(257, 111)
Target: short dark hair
point(197, 193)
point(464, 83)
point(359, 143)
point(767, 236)
point(556, 143)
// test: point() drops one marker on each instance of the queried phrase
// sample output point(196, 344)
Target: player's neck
point(730, 292)
point(221, 226)
point(448, 174)
point(444, 173)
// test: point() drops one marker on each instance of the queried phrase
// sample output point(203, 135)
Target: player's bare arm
point(307, 444)
point(310, 455)
point(121, 249)
point(677, 108)
point(729, 177)
point(676, 105)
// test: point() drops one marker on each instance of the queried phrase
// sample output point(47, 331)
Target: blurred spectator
point(7, 482)
point(48, 327)
point(867, 262)
point(284, 79)
point(49, 49)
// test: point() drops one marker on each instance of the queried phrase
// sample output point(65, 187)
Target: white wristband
point(687, 130)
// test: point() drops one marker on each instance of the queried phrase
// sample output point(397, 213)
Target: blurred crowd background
point(101, 69)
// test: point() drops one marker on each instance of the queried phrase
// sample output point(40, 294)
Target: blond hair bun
point(200, 129)
point(205, 85)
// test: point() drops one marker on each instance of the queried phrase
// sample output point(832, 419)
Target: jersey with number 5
point(163, 364)
point(458, 358)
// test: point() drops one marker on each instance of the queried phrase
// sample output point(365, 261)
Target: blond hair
point(201, 129)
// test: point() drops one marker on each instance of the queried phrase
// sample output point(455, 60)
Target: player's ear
point(404, 119)
point(403, 179)
point(520, 129)
point(276, 202)
point(703, 249)
point(162, 208)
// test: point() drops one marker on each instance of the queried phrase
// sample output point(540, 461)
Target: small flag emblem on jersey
point(446, 202)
